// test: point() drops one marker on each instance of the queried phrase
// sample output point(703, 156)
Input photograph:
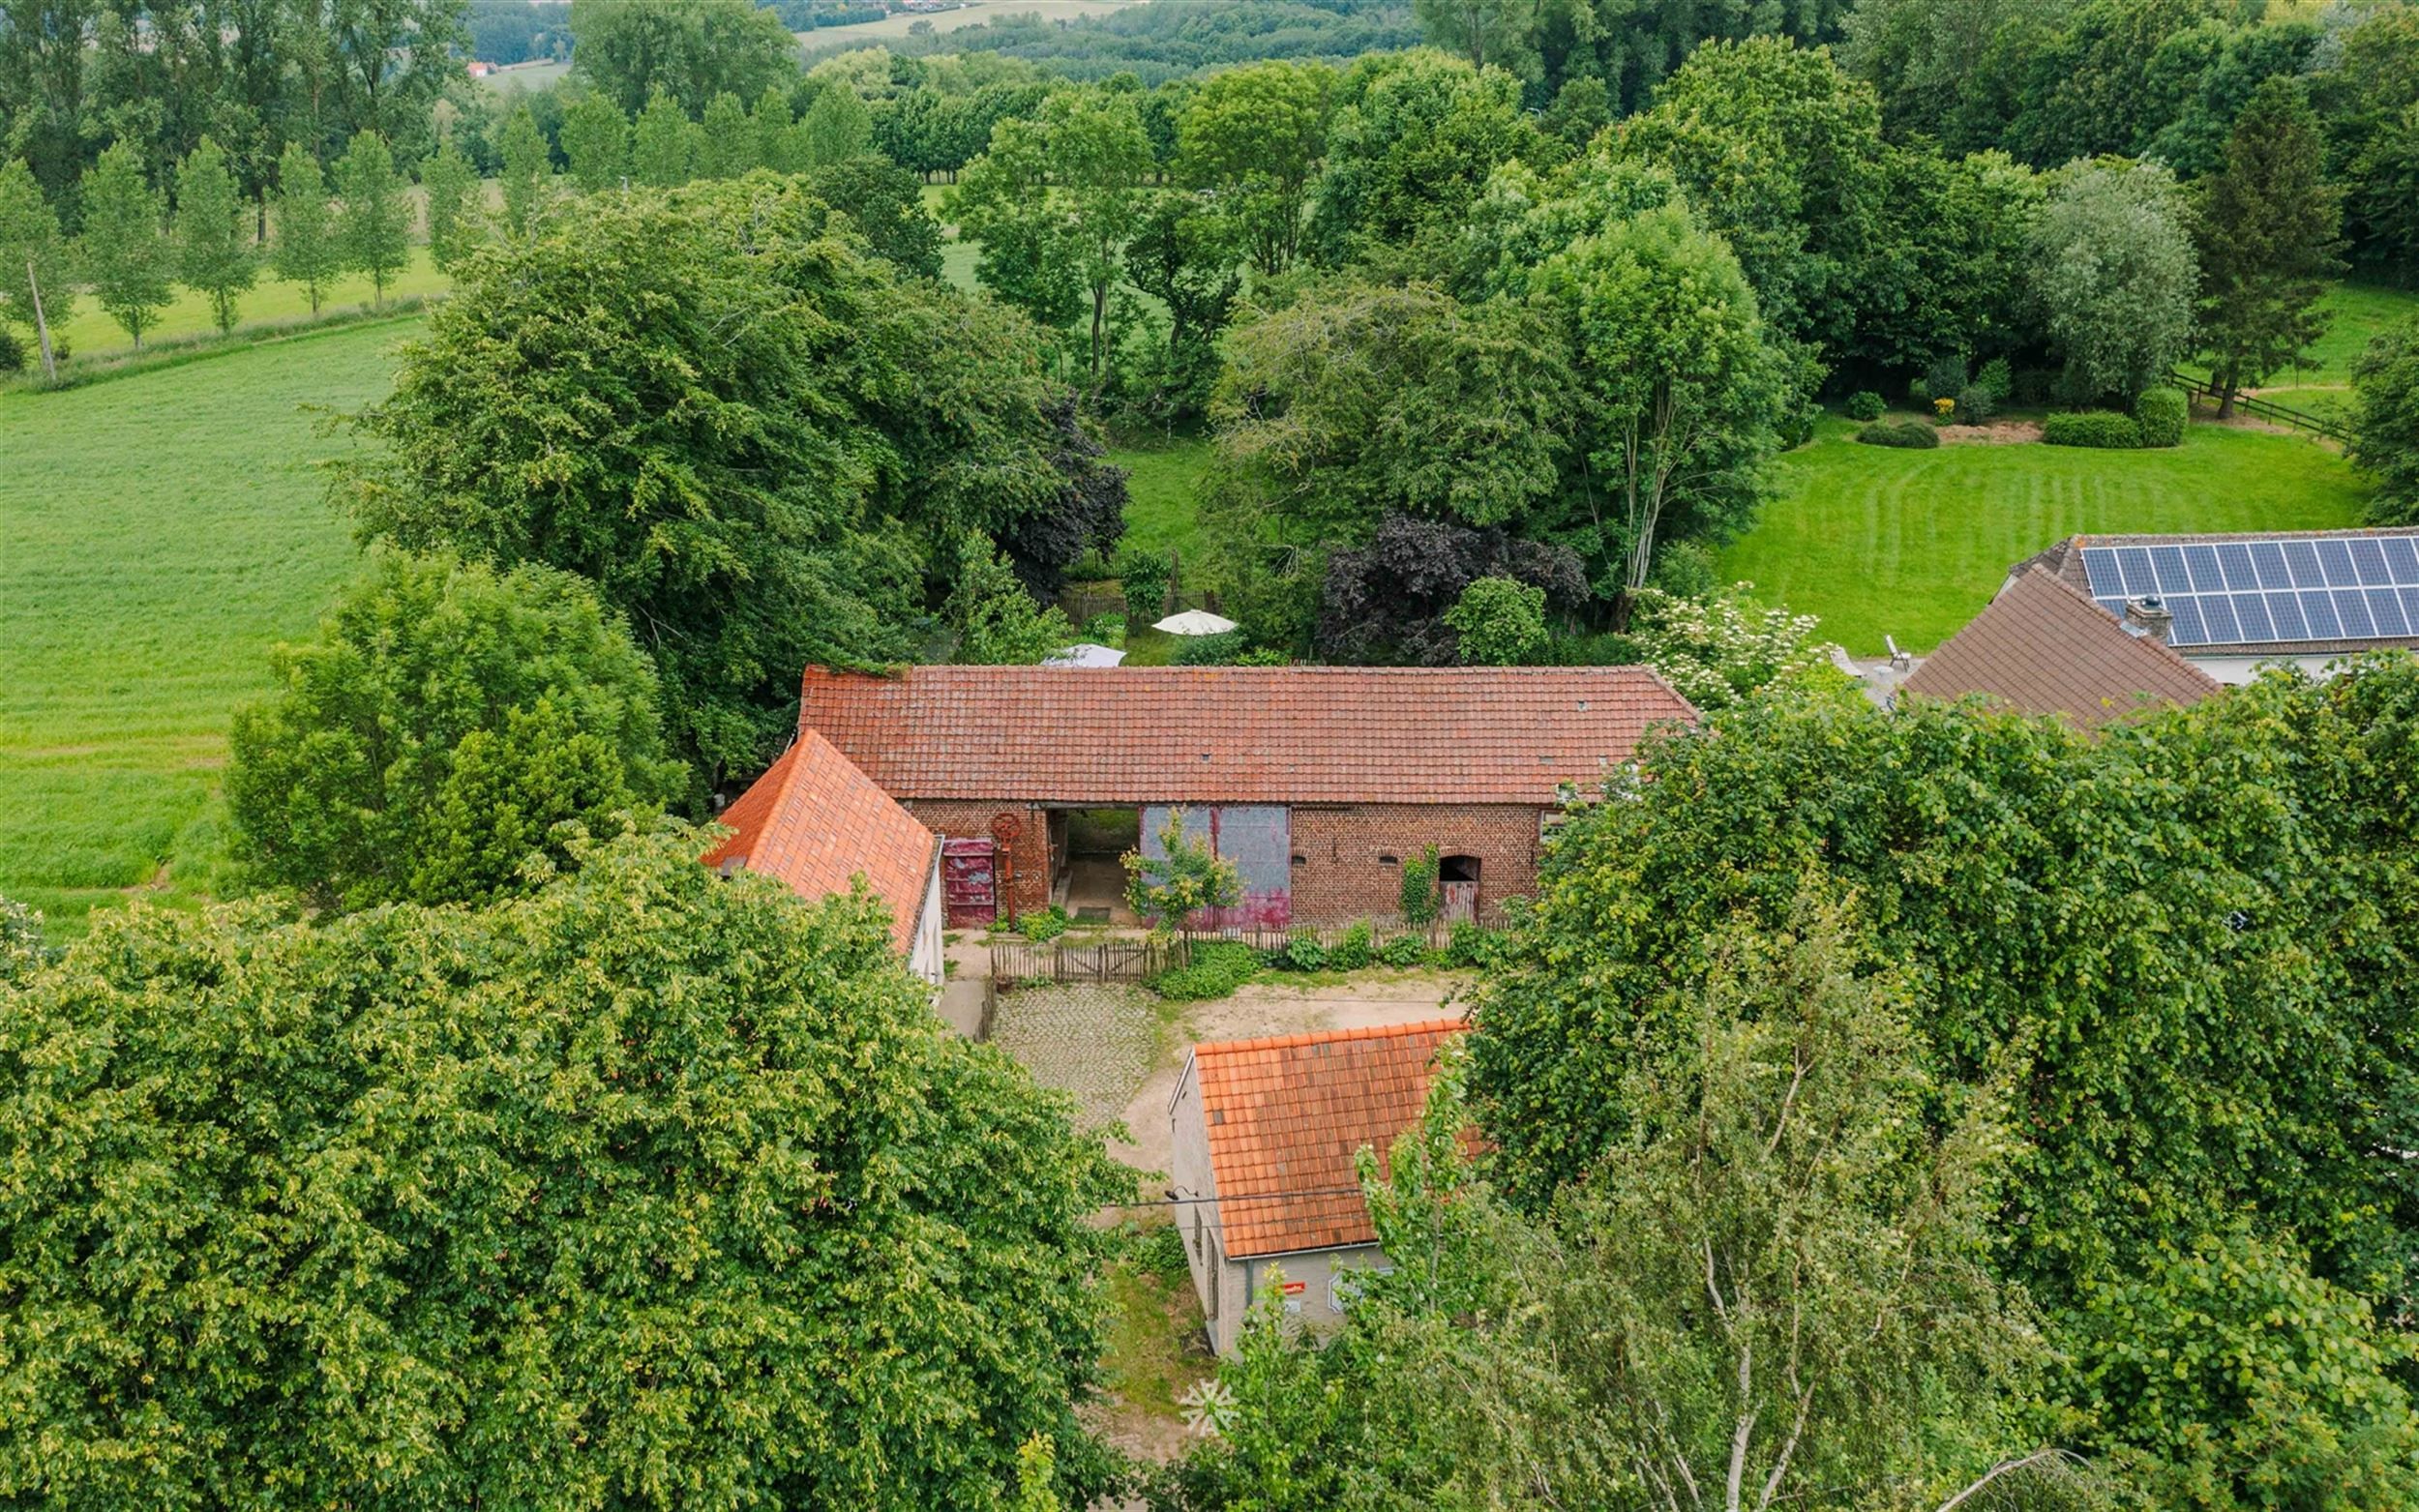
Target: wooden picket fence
point(1085, 958)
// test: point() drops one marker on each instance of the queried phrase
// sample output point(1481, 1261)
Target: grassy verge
point(1912, 544)
point(272, 304)
point(157, 535)
point(1158, 1348)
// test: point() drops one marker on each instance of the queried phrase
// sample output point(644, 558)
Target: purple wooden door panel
point(1258, 838)
point(966, 889)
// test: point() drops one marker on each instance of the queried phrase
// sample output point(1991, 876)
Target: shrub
point(1043, 924)
point(1143, 576)
point(1219, 650)
point(2103, 428)
point(1354, 951)
point(1997, 380)
point(1913, 433)
point(1920, 394)
point(2033, 386)
point(1472, 945)
point(12, 349)
point(1865, 404)
point(1976, 404)
point(1108, 630)
point(1419, 892)
point(1303, 953)
point(1403, 950)
point(1160, 1249)
point(2161, 414)
point(1944, 376)
point(1944, 412)
point(1218, 966)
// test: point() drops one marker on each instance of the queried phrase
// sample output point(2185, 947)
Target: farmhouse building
point(2043, 647)
point(815, 821)
point(1264, 1135)
point(1318, 782)
point(2232, 603)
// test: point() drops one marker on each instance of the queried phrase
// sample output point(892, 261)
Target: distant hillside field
point(975, 13)
point(157, 533)
point(1909, 543)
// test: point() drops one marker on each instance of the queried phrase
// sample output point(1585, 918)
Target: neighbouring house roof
point(2246, 593)
point(817, 823)
point(1237, 734)
point(1286, 1115)
point(2042, 648)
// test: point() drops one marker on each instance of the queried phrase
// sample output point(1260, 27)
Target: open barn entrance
point(1458, 889)
point(1091, 879)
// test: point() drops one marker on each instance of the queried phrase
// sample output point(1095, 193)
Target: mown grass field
point(2356, 312)
point(157, 533)
point(271, 302)
point(1877, 541)
point(974, 12)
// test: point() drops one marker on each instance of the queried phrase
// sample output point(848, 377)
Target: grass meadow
point(157, 533)
point(1878, 540)
point(973, 13)
point(271, 303)
point(2356, 312)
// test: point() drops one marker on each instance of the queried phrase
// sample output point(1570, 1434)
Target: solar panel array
point(2256, 592)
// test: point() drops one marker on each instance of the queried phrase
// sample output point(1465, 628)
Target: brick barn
point(1317, 781)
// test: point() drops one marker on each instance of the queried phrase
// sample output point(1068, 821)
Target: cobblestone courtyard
point(1096, 1041)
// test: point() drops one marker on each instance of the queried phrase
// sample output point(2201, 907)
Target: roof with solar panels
point(2286, 592)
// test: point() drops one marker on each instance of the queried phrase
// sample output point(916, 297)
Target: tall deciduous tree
point(835, 127)
point(215, 255)
point(771, 122)
point(1256, 135)
point(691, 49)
point(425, 745)
point(730, 139)
point(33, 259)
point(376, 226)
point(307, 250)
point(125, 250)
point(663, 145)
point(2113, 267)
point(2266, 227)
point(1684, 395)
point(455, 223)
point(648, 1126)
point(1413, 139)
point(529, 173)
point(1484, 31)
point(596, 140)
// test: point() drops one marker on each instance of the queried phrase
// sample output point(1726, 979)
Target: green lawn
point(157, 532)
point(89, 333)
point(1160, 509)
point(1911, 544)
point(2323, 384)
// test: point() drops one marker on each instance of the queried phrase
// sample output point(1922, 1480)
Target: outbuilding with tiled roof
point(816, 822)
point(1319, 782)
point(1264, 1135)
point(2040, 647)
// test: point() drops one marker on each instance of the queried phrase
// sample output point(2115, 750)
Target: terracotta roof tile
point(817, 823)
point(1228, 734)
point(2043, 647)
point(1286, 1115)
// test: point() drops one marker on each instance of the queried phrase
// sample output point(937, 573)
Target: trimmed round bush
point(2161, 414)
point(1865, 404)
point(2101, 429)
point(1976, 404)
point(1911, 433)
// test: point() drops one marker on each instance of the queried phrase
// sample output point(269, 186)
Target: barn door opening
point(1457, 888)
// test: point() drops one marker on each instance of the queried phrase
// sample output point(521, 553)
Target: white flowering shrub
point(1718, 649)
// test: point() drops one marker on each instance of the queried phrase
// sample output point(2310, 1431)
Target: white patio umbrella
point(1085, 653)
point(1195, 622)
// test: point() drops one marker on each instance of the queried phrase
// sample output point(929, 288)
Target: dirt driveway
point(1270, 1008)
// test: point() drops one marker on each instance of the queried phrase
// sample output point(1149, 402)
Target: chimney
point(2149, 616)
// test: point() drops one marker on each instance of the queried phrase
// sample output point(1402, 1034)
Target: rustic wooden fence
point(2265, 409)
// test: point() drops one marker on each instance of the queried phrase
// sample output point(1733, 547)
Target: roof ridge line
point(1328, 1036)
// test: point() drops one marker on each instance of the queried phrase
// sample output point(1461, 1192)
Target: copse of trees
point(689, 49)
point(854, 442)
point(461, 1204)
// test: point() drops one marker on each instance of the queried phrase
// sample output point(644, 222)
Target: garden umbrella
point(1195, 622)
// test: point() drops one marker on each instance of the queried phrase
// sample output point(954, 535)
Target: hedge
point(2103, 428)
point(1913, 433)
point(2161, 414)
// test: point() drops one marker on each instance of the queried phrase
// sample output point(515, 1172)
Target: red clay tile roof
point(1287, 1113)
point(1238, 734)
point(2043, 647)
point(817, 823)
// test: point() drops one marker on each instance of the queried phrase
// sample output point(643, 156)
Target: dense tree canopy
point(2113, 267)
point(445, 720)
point(690, 50)
point(764, 436)
point(652, 1189)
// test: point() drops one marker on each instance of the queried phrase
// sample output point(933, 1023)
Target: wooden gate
point(1458, 902)
point(969, 890)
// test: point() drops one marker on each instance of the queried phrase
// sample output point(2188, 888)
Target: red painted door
point(968, 889)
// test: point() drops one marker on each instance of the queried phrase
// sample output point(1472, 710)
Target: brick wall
point(1342, 876)
point(1027, 859)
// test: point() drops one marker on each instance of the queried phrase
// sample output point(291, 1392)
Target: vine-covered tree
point(2265, 229)
point(464, 1203)
point(215, 255)
point(445, 720)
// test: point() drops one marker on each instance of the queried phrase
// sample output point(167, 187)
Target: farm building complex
point(1316, 782)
